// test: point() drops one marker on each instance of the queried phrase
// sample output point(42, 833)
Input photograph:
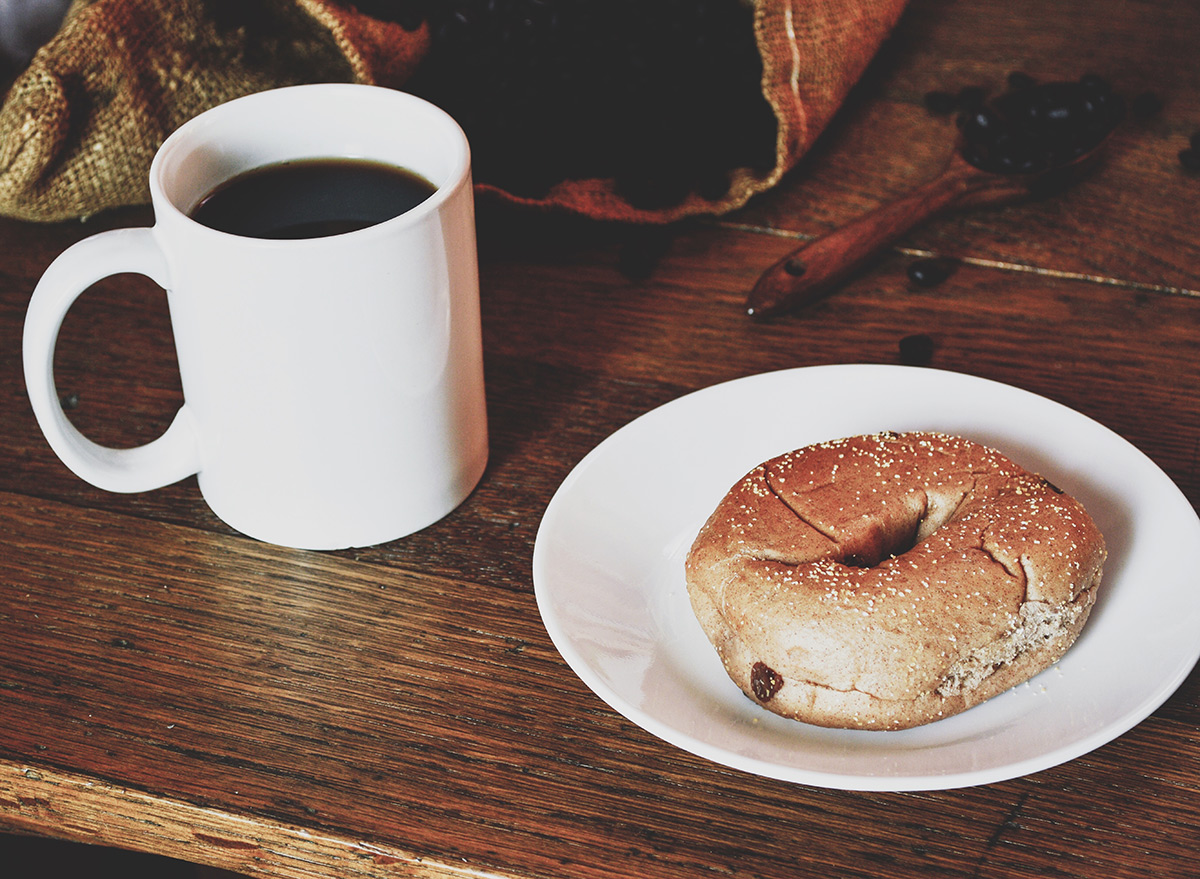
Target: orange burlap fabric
point(79, 127)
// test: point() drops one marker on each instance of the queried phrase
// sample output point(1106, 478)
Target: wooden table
point(170, 686)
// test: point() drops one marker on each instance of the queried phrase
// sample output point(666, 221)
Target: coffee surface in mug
point(311, 198)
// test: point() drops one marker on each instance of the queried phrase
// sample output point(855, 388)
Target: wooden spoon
point(816, 268)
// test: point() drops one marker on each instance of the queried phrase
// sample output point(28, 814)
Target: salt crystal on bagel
point(891, 580)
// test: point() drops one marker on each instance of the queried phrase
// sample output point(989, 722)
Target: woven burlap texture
point(79, 127)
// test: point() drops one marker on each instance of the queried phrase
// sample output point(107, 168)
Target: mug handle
point(171, 457)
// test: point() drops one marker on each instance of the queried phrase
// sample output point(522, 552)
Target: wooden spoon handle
point(816, 268)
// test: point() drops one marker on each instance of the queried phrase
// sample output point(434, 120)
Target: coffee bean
point(1018, 81)
point(916, 350)
point(940, 102)
point(929, 272)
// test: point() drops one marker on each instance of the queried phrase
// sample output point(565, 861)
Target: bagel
point(887, 581)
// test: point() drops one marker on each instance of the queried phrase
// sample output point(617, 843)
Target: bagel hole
point(882, 547)
point(892, 537)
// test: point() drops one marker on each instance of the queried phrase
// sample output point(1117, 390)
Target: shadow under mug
point(333, 387)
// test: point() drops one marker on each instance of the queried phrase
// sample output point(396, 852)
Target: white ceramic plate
point(608, 574)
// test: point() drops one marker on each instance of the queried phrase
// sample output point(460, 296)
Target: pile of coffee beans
point(1033, 127)
point(664, 98)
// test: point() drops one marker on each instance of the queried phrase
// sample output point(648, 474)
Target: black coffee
point(311, 198)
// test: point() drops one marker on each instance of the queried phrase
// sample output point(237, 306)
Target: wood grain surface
point(169, 686)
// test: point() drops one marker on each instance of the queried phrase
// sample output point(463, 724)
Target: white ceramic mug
point(333, 387)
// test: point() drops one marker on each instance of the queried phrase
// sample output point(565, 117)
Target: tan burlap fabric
point(79, 127)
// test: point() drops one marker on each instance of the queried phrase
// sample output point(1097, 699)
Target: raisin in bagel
point(886, 581)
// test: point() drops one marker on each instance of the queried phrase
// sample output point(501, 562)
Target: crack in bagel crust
point(892, 579)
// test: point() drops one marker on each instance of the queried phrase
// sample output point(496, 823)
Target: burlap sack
point(79, 127)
